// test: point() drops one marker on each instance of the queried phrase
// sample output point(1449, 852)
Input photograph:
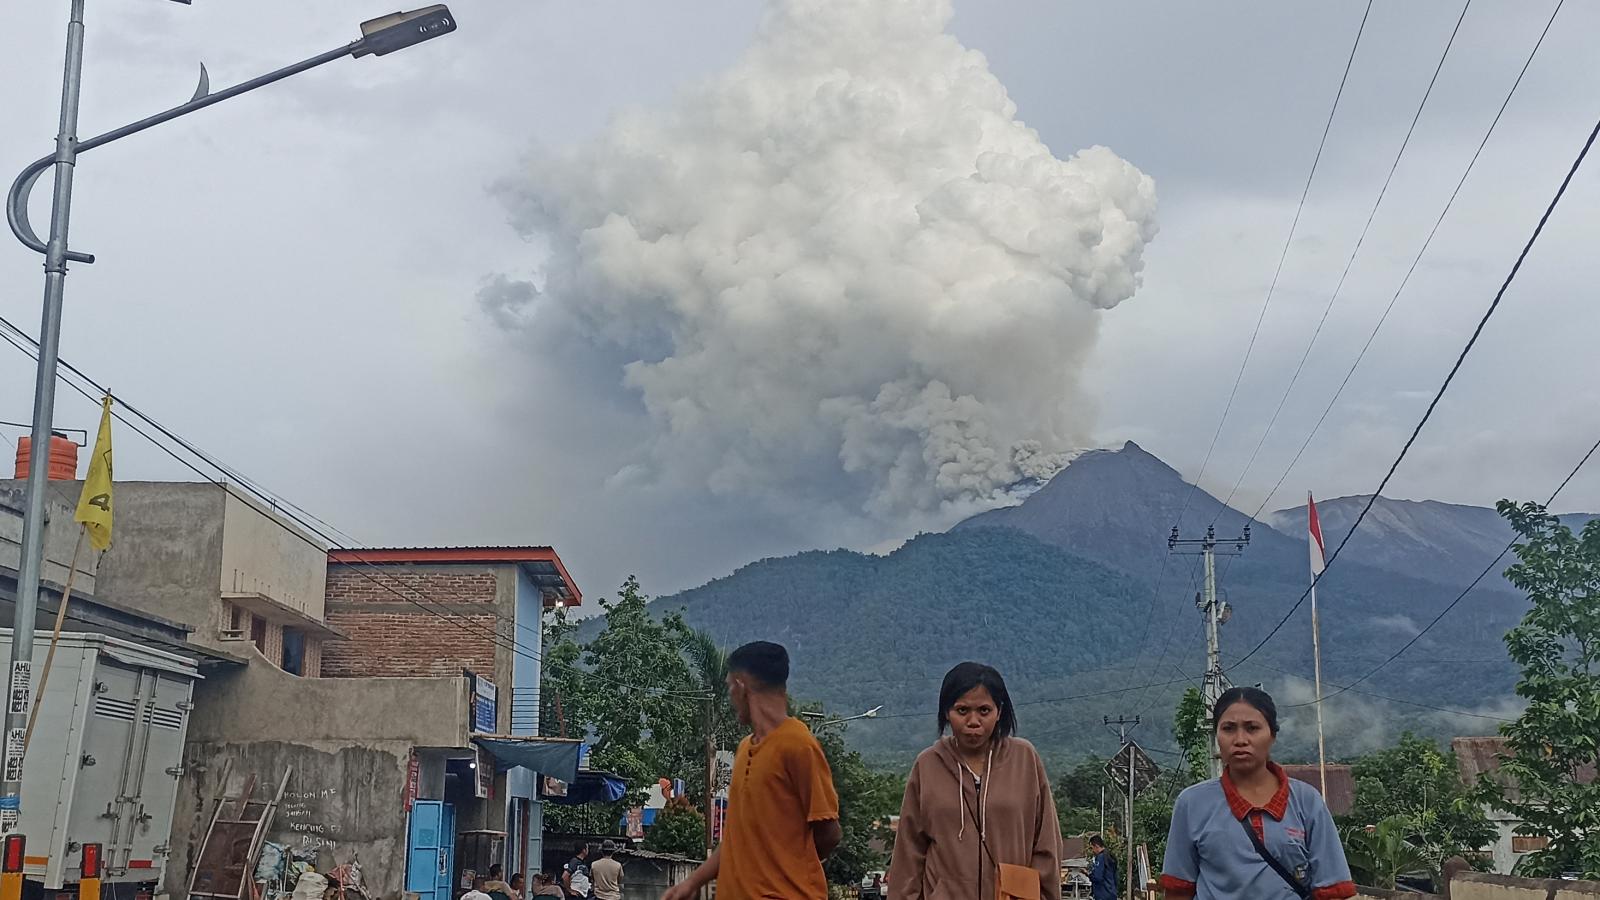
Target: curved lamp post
point(379, 37)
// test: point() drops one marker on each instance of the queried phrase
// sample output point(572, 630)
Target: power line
point(1450, 377)
point(1464, 592)
point(278, 505)
point(1350, 262)
point(1066, 699)
point(1415, 261)
point(1273, 286)
point(1418, 704)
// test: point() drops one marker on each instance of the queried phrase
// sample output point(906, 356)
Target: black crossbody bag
point(1299, 887)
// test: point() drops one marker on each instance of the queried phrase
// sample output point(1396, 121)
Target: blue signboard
point(483, 705)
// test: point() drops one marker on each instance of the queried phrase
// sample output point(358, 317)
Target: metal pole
point(1102, 810)
point(1213, 680)
point(20, 695)
point(1128, 877)
point(1316, 654)
point(711, 771)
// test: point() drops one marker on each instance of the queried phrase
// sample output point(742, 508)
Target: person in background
point(1255, 832)
point(477, 890)
point(607, 873)
point(783, 813)
point(978, 812)
point(517, 886)
point(575, 876)
point(1103, 872)
point(545, 886)
point(495, 886)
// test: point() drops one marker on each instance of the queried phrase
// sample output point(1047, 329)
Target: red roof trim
point(458, 556)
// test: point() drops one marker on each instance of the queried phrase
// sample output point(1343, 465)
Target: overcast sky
point(292, 279)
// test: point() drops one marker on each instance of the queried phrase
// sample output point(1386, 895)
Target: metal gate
point(431, 850)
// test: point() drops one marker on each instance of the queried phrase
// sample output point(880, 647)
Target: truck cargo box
point(105, 758)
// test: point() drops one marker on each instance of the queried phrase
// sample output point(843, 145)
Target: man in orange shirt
point(783, 814)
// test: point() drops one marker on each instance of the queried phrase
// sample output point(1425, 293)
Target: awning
point(555, 757)
point(591, 787)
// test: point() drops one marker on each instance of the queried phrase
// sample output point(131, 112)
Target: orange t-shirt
point(780, 787)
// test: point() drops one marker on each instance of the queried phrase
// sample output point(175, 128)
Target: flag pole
point(1318, 565)
point(1316, 653)
point(50, 657)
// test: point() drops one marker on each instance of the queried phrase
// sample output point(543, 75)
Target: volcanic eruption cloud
point(841, 275)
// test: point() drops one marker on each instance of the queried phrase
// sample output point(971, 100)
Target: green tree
point(1078, 794)
point(631, 694)
point(867, 799)
point(1416, 781)
point(708, 664)
point(1191, 728)
point(1379, 857)
point(1557, 736)
point(679, 828)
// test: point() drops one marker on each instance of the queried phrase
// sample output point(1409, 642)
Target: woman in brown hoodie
point(976, 800)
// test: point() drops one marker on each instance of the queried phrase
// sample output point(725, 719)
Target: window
point(258, 632)
point(1520, 844)
point(294, 651)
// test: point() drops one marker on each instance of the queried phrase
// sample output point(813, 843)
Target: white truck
point(103, 765)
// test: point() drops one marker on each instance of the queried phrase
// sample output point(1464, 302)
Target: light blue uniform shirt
point(1210, 857)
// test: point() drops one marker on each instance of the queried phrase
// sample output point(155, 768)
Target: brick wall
point(390, 636)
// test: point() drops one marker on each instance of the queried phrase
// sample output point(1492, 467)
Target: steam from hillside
point(842, 275)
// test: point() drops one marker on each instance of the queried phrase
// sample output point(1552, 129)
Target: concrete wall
point(262, 702)
point(342, 803)
point(1480, 886)
point(60, 533)
point(528, 631)
point(265, 555)
point(347, 741)
point(166, 553)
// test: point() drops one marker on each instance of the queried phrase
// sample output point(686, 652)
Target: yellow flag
point(94, 504)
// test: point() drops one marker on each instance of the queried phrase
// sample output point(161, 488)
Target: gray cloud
point(292, 279)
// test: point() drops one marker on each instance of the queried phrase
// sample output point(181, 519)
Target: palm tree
point(709, 665)
point(1379, 856)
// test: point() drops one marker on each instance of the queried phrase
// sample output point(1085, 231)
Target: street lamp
point(815, 716)
point(379, 36)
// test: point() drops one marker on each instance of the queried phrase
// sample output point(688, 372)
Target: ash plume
point(841, 276)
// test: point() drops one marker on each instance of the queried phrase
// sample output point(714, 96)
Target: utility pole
point(1216, 613)
point(711, 770)
point(1123, 725)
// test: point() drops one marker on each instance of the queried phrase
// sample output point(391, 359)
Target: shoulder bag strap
point(1295, 884)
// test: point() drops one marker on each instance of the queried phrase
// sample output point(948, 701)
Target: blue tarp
point(592, 787)
point(547, 756)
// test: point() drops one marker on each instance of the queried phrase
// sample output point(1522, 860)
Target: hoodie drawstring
point(983, 795)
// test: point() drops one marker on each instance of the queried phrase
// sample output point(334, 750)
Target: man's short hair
point(1097, 841)
point(764, 661)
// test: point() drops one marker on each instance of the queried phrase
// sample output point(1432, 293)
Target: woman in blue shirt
point(1254, 832)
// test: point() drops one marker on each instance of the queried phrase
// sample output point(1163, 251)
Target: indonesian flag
point(1317, 560)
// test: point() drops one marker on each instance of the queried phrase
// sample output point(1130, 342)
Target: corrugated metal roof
point(1480, 756)
point(1341, 798)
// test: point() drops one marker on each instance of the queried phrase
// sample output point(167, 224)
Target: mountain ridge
point(1073, 595)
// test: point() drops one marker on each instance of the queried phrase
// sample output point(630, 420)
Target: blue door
point(431, 851)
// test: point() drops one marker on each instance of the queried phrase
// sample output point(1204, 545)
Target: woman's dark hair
point(969, 675)
point(1260, 700)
